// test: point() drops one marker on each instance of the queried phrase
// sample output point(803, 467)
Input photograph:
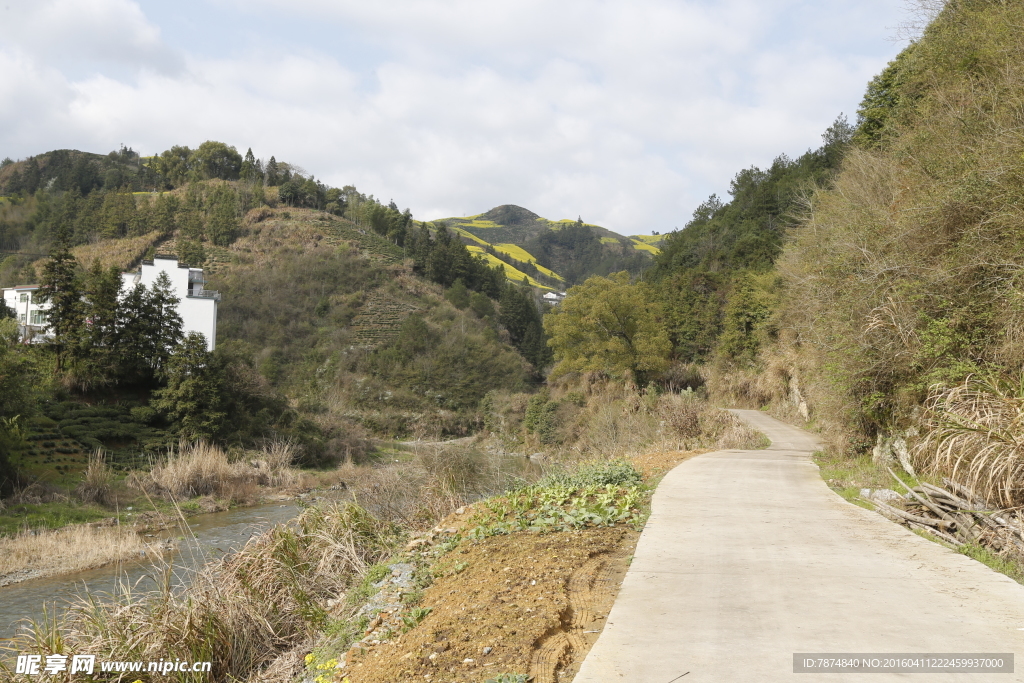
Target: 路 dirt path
point(748, 558)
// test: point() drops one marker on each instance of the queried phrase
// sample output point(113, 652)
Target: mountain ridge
point(551, 253)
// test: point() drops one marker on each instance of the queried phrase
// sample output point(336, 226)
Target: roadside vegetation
point(870, 289)
point(357, 584)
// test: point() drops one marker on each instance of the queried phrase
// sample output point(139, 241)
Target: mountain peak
point(509, 214)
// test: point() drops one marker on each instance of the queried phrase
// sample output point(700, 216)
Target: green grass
point(643, 246)
point(1000, 564)
point(848, 475)
point(17, 517)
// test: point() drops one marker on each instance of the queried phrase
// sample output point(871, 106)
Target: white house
point(553, 297)
point(197, 306)
point(30, 312)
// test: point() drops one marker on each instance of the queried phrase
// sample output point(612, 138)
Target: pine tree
point(164, 213)
point(136, 334)
point(102, 293)
point(222, 226)
point(166, 323)
point(248, 172)
point(271, 174)
point(192, 399)
point(62, 288)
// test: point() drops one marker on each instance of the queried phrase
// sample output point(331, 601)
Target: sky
point(627, 114)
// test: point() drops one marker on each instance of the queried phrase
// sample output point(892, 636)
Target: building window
point(38, 317)
point(21, 318)
point(23, 298)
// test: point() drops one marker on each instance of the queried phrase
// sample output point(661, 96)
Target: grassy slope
point(319, 304)
point(509, 238)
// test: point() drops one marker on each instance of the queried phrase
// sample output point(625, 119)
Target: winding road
point(749, 558)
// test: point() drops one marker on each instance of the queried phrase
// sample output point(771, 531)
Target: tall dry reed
point(98, 483)
point(621, 423)
point(438, 479)
point(240, 612)
point(47, 552)
point(974, 434)
point(202, 469)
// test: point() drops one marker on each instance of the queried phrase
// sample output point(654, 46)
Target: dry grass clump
point(437, 480)
point(975, 435)
point(612, 420)
point(202, 469)
point(241, 612)
point(98, 483)
point(71, 549)
point(123, 252)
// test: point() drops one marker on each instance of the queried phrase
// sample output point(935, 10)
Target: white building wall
point(197, 307)
point(29, 312)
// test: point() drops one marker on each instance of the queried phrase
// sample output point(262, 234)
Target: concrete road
point(748, 558)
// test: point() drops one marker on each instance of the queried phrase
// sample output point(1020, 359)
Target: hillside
point(902, 285)
point(870, 287)
point(342, 320)
point(555, 254)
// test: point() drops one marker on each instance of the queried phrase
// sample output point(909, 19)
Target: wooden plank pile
point(957, 516)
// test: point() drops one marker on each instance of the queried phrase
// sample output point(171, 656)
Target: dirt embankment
point(524, 603)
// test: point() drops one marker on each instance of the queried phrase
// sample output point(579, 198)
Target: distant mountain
point(553, 253)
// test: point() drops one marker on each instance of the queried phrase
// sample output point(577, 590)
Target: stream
point(212, 535)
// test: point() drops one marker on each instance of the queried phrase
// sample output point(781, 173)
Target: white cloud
point(626, 113)
point(84, 30)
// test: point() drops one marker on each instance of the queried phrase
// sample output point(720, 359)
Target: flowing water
point(210, 536)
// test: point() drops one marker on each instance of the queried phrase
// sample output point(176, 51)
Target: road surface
point(748, 558)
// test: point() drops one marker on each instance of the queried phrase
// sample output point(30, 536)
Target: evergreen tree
point(118, 213)
point(102, 294)
point(32, 176)
point(164, 214)
point(166, 324)
point(457, 295)
point(18, 382)
point(192, 399)
point(136, 334)
point(62, 288)
point(222, 226)
point(191, 252)
point(248, 172)
point(520, 317)
point(271, 173)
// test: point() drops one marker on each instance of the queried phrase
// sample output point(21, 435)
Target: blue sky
point(626, 113)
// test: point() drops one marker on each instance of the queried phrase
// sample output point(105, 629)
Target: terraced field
point(512, 273)
point(379, 320)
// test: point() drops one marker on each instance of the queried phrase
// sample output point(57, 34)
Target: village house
point(197, 306)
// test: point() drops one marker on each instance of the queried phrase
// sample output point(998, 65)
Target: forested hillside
point(871, 286)
point(904, 281)
point(341, 319)
point(554, 254)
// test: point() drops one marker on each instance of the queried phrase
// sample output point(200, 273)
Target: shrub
point(98, 483)
point(240, 612)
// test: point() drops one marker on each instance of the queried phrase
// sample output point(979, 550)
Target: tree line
point(441, 257)
point(713, 291)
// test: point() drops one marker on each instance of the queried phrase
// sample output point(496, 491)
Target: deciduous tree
point(611, 326)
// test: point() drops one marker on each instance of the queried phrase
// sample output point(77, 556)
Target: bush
point(596, 473)
point(97, 485)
